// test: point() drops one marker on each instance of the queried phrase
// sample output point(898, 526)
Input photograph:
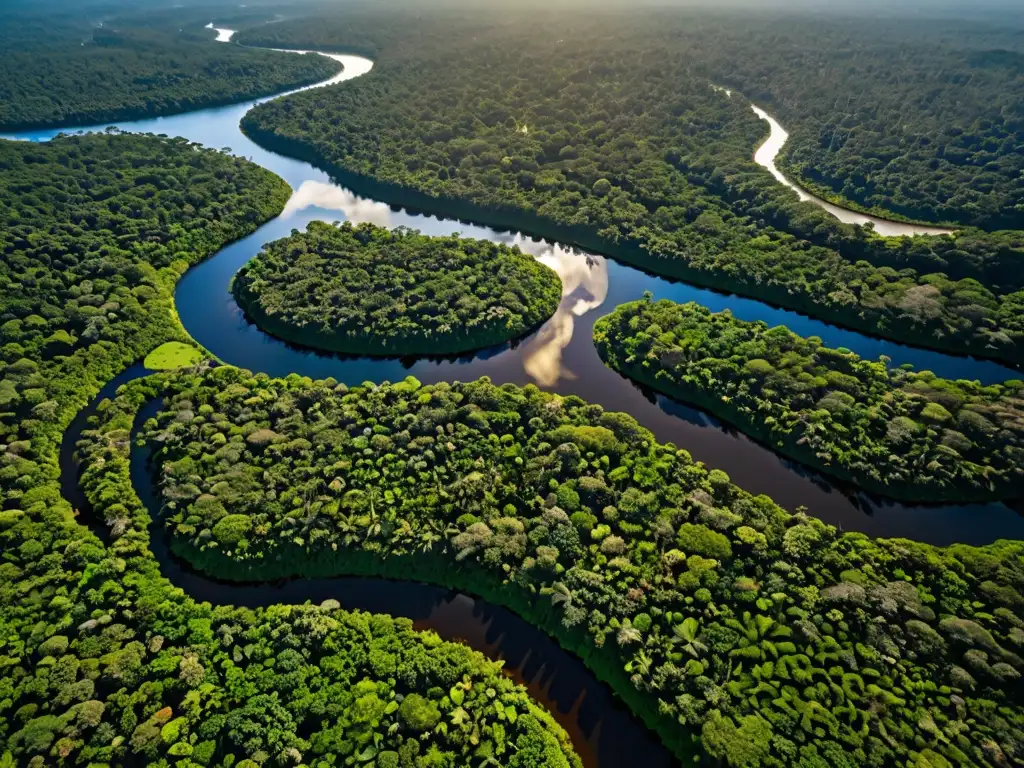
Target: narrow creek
point(603, 731)
point(769, 150)
point(559, 357)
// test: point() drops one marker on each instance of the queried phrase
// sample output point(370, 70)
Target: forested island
point(369, 290)
point(774, 635)
point(905, 434)
point(104, 660)
point(126, 74)
point(633, 154)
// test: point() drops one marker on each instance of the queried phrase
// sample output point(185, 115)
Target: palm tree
point(402, 531)
point(627, 633)
point(373, 528)
point(560, 594)
point(428, 539)
point(347, 529)
point(641, 664)
point(686, 633)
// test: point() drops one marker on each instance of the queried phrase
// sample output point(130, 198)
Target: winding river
point(765, 156)
point(559, 357)
point(769, 150)
point(604, 732)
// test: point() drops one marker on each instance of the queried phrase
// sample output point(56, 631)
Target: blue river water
point(559, 356)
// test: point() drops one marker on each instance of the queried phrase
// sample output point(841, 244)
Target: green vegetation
point(783, 641)
point(909, 435)
point(94, 232)
point(774, 638)
point(51, 79)
point(171, 355)
point(287, 685)
point(366, 289)
point(104, 662)
point(618, 144)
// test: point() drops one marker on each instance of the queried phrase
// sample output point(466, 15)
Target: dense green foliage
point(136, 73)
point(778, 639)
point(94, 231)
point(619, 144)
point(784, 641)
point(911, 435)
point(103, 661)
point(287, 685)
point(366, 289)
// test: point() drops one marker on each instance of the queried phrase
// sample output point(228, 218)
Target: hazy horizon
point(936, 9)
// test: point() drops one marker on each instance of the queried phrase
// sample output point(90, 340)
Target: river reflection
point(584, 276)
point(331, 197)
point(560, 356)
point(584, 289)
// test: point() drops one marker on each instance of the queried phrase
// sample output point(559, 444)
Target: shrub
point(698, 539)
point(418, 713)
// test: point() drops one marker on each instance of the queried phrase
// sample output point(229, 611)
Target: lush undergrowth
point(366, 289)
point(908, 435)
point(103, 661)
point(783, 641)
point(619, 145)
point(173, 354)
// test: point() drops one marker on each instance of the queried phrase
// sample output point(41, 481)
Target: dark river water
point(603, 732)
point(559, 357)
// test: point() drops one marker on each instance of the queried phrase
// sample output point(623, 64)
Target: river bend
point(559, 356)
point(603, 731)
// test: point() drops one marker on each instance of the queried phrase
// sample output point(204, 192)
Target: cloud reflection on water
point(584, 276)
point(584, 288)
point(331, 197)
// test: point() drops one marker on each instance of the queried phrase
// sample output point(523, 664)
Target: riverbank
point(633, 252)
point(319, 68)
point(447, 345)
point(604, 663)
